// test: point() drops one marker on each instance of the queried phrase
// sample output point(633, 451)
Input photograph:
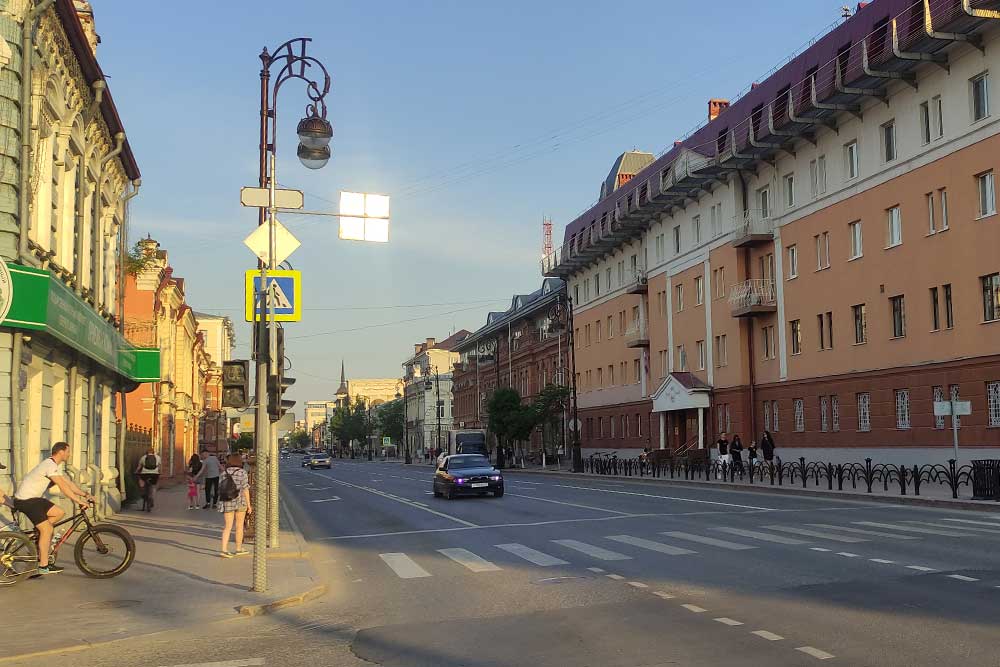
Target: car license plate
point(479, 485)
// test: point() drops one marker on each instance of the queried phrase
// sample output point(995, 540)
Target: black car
point(467, 474)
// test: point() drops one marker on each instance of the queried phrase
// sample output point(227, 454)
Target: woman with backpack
point(234, 503)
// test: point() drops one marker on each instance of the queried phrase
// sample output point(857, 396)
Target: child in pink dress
point(192, 493)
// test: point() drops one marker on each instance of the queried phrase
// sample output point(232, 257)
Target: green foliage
point(136, 261)
point(390, 420)
point(245, 441)
point(299, 439)
point(504, 405)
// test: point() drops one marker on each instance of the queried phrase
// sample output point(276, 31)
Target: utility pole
point(438, 406)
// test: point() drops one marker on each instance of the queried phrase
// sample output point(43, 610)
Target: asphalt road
point(613, 574)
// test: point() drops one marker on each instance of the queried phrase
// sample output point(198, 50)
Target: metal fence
point(908, 479)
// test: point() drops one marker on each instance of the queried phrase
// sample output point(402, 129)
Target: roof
point(66, 11)
point(628, 163)
point(521, 305)
point(691, 381)
point(453, 340)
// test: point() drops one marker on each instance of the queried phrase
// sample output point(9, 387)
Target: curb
point(251, 610)
point(777, 490)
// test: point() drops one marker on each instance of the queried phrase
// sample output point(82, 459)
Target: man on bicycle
point(43, 513)
point(148, 471)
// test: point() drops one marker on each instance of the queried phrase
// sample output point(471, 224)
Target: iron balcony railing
point(636, 332)
point(754, 292)
point(753, 222)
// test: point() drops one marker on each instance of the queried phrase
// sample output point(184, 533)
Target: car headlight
point(495, 478)
point(460, 480)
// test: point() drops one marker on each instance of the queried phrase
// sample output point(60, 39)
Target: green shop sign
point(33, 299)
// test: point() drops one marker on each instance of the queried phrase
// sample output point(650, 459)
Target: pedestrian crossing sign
point(284, 293)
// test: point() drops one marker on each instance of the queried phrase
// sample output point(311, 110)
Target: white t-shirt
point(143, 470)
point(37, 481)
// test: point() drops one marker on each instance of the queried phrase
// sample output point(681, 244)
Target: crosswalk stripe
point(978, 523)
point(859, 531)
point(711, 541)
point(912, 529)
point(815, 652)
point(961, 577)
point(249, 662)
point(727, 621)
point(920, 568)
point(770, 636)
point(944, 525)
point(766, 537)
point(816, 533)
point(592, 551)
point(650, 544)
point(531, 555)
point(404, 566)
point(469, 560)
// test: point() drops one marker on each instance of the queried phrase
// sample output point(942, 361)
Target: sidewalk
point(177, 580)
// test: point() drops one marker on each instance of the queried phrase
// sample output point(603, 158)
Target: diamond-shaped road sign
point(284, 242)
point(262, 197)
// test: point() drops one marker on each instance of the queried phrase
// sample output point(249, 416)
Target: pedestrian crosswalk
point(575, 552)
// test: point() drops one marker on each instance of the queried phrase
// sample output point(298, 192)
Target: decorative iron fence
point(908, 479)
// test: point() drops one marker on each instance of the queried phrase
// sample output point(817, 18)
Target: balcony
point(752, 228)
point(637, 335)
point(753, 297)
point(638, 284)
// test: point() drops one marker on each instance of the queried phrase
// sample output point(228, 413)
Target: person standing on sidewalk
point(736, 452)
point(210, 471)
point(235, 504)
point(767, 449)
point(723, 446)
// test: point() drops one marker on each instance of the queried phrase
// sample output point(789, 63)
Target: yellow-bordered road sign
point(284, 290)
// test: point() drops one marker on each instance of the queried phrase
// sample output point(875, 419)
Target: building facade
point(66, 173)
point(218, 337)
point(818, 260)
point(427, 383)
point(525, 347)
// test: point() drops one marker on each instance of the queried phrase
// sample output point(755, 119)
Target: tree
point(549, 406)
point(503, 407)
point(299, 439)
point(245, 441)
point(390, 420)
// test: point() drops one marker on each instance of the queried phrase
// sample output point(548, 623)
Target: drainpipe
point(24, 186)
point(750, 327)
point(17, 459)
point(97, 248)
point(122, 250)
point(81, 195)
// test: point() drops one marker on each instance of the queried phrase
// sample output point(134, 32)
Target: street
point(576, 571)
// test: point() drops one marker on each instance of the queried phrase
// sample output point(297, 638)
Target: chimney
point(677, 143)
point(430, 343)
point(417, 348)
point(715, 107)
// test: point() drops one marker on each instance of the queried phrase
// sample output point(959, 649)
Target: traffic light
point(236, 383)
point(277, 382)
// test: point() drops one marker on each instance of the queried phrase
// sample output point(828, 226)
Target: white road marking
point(616, 577)
point(650, 544)
point(766, 537)
point(920, 568)
point(816, 533)
point(694, 608)
point(420, 503)
point(653, 495)
point(913, 529)
point(847, 554)
point(882, 560)
point(944, 525)
point(727, 621)
point(711, 541)
point(859, 531)
point(769, 636)
point(638, 584)
point(815, 652)
point(469, 560)
point(561, 502)
point(960, 577)
point(668, 596)
point(592, 551)
point(531, 555)
point(325, 500)
point(596, 570)
point(819, 549)
point(320, 488)
point(403, 566)
point(249, 662)
point(978, 523)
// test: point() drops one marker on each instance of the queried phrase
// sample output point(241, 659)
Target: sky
point(477, 118)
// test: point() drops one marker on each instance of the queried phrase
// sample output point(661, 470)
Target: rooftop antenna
point(546, 236)
point(845, 12)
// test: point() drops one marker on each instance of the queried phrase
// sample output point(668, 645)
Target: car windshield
point(457, 462)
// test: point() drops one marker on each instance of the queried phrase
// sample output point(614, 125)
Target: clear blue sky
point(477, 117)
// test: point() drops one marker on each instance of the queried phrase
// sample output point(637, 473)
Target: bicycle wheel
point(18, 557)
point(104, 551)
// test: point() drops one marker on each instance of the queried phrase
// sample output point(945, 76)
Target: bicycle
point(102, 550)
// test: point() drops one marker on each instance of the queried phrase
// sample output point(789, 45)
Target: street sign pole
point(272, 448)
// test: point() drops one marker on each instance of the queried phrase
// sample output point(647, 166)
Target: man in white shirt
point(43, 513)
point(148, 471)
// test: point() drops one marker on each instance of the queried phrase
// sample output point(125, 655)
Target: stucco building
point(819, 259)
point(218, 339)
point(429, 402)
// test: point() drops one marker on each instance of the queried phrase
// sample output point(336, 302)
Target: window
point(987, 194)
point(949, 312)
point(774, 416)
point(586, 334)
point(835, 412)
point(607, 279)
point(768, 338)
point(663, 362)
point(611, 327)
point(929, 197)
point(696, 227)
point(766, 266)
point(925, 123)
point(938, 395)
point(800, 416)
point(822, 250)
point(720, 282)
point(586, 289)
point(953, 392)
point(825, 321)
point(635, 371)
point(621, 321)
point(681, 364)
point(824, 408)
point(789, 190)
point(576, 294)
point(857, 246)
point(611, 375)
point(793, 262)
point(796, 336)
point(699, 290)
point(851, 165)
point(679, 297)
point(597, 331)
point(902, 408)
point(597, 284)
point(600, 427)
point(720, 412)
point(611, 423)
point(898, 316)
point(677, 239)
point(821, 174)
point(701, 355)
point(721, 354)
point(860, 324)
point(993, 402)
point(764, 202)
point(980, 91)
point(635, 315)
point(813, 179)
point(590, 385)
point(715, 216)
point(864, 412)
point(935, 315)
point(943, 195)
point(624, 426)
point(894, 227)
point(621, 273)
point(889, 141)
point(638, 426)
point(767, 415)
point(991, 297)
point(600, 377)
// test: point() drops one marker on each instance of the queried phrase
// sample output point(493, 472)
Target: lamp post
point(564, 308)
point(314, 132)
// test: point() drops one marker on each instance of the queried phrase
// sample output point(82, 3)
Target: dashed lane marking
point(769, 636)
point(819, 549)
point(325, 500)
point(815, 652)
point(944, 525)
point(653, 495)
point(920, 568)
point(961, 577)
point(668, 596)
point(616, 577)
point(882, 560)
point(638, 584)
point(592, 551)
point(727, 621)
point(694, 608)
point(847, 554)
point(596, 570)
point(562, 502)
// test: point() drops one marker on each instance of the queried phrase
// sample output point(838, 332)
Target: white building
point(427, 377)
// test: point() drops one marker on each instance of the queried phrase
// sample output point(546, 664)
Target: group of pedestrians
point(731, 452)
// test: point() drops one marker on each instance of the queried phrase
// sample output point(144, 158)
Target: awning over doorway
point(681, 391)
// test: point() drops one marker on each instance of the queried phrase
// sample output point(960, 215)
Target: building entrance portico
point(681, 402)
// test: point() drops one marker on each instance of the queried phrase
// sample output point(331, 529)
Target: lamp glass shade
point(313, 158)
point(314, 132)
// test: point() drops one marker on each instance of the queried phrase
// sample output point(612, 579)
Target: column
point(701, 428)
point(663, 430)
